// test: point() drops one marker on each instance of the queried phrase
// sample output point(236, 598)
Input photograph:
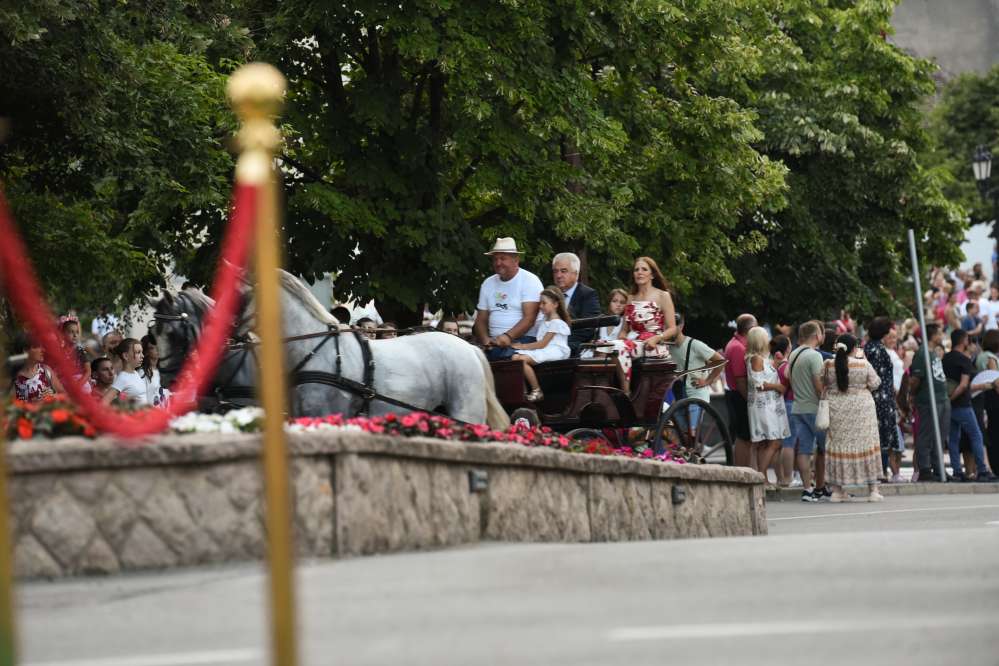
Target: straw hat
point(504, 245)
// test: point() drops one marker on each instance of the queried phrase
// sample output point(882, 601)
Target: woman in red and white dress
point(649, 313)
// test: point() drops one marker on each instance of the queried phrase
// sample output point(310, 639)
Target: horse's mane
point(199, 299)
point(295, 287)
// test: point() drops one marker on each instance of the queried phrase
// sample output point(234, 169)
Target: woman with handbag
point(853, 444)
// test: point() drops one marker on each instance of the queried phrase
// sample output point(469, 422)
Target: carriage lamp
point(478, 480)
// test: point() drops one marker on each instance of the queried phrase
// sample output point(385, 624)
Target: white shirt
point(103, 324)
point(568, 294)
point(504, 300)
point(152, 387)
point(132, 386)
point(897, 369)
point(990, 313)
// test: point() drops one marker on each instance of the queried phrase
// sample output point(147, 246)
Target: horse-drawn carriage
point(584, 400)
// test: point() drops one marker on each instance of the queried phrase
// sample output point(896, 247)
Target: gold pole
point(256, 92)
point(8, 637)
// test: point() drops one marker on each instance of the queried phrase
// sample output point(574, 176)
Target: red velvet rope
point(18, 279)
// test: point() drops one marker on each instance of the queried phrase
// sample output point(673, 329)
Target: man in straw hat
point(508, 302)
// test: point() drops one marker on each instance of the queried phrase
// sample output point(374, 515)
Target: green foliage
point(766, 152)
point(115, 162)
point(841, 107)
point(965, 116)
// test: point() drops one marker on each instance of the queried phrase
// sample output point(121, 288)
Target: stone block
point(115, 514)
point(527, 504)
point(98, 558)
point(86, 487)
point(385, 505)
point(313, 506)
point(63, 526)
point(165, 513)
point(32, 560)
point(144, 550)
point(621, 508)
point(713, 510)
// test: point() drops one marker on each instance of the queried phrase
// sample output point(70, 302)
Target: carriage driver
point(508, 303)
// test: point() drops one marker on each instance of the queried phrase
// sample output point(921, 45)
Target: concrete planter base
point(94, 507)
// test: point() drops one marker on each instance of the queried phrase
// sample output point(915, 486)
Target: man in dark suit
point(581, 300)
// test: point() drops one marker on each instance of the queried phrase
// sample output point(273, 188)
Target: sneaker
point(897, 478)
point(875, 496)
point(796, 481)
point(837, 498)
point(960, 477)
point(987, 478)
point(822, 492)
point(808, 496)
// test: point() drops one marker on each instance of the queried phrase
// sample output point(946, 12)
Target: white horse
point(429, 371)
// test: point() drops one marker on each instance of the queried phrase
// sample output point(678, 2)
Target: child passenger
point(553, 339)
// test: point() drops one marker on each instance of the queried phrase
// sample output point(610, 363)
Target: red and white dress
point(36, 387)
point(646, 319)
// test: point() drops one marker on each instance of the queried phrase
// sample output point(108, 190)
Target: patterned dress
point(767, 412)
point(884, 395)
point(646, 319)
point(35, 387)
point(853, 445)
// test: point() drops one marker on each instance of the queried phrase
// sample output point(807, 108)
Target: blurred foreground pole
point(256, 92)
point(926, 356)
point(8, 637)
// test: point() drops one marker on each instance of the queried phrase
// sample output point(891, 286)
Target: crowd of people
point(823, 404)
point(118, 370)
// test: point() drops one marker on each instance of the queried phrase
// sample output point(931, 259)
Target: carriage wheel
point(586, 434)
point(526, 413)
point(695, 425)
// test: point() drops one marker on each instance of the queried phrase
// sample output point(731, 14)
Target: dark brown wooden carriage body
point(584, 393)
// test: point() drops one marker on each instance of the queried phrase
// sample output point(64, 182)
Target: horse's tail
point(496, 416)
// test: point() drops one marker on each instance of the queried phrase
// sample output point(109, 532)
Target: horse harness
point(364, 390)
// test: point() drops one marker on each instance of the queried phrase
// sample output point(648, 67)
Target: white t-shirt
point(132, 386)
point(152, 387)
point(990, 313)
point(504, 300)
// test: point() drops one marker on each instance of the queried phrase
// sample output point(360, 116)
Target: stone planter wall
point(95, 507)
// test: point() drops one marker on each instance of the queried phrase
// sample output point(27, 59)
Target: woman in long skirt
point(853, 446)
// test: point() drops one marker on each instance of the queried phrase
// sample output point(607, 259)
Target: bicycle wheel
point(695, 425)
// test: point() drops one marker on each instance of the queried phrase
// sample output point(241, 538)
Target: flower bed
point(55, 416)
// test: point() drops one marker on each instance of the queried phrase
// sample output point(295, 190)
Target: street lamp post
point(981, 165)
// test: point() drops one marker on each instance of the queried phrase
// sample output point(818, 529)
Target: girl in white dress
point(768, 423)
point(553, 339)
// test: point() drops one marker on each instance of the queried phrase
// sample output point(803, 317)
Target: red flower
point(60, 415)
point(25, 429)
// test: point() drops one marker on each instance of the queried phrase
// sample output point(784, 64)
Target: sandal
point(535, 396)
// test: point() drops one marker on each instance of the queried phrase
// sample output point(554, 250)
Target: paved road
point(914, 587)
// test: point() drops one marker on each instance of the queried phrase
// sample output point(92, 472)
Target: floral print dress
point(35, 387)
point(646, 319)
point(853, 445)
point(884, 395)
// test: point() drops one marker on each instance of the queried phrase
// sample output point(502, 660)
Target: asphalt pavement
point(908, 581)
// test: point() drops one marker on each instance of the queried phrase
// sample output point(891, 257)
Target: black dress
point(884, 395)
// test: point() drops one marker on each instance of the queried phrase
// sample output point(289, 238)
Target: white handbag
point(822, 415)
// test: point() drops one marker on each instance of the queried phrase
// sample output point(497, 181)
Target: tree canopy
point(765, 152)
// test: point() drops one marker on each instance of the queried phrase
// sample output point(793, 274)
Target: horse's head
point(178, 321)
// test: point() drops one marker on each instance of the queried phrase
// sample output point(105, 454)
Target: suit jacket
point(584, 303)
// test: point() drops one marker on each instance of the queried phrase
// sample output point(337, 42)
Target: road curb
point(887, 489)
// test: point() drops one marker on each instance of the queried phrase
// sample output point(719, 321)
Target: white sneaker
point(796, 480)
point(897, 478)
